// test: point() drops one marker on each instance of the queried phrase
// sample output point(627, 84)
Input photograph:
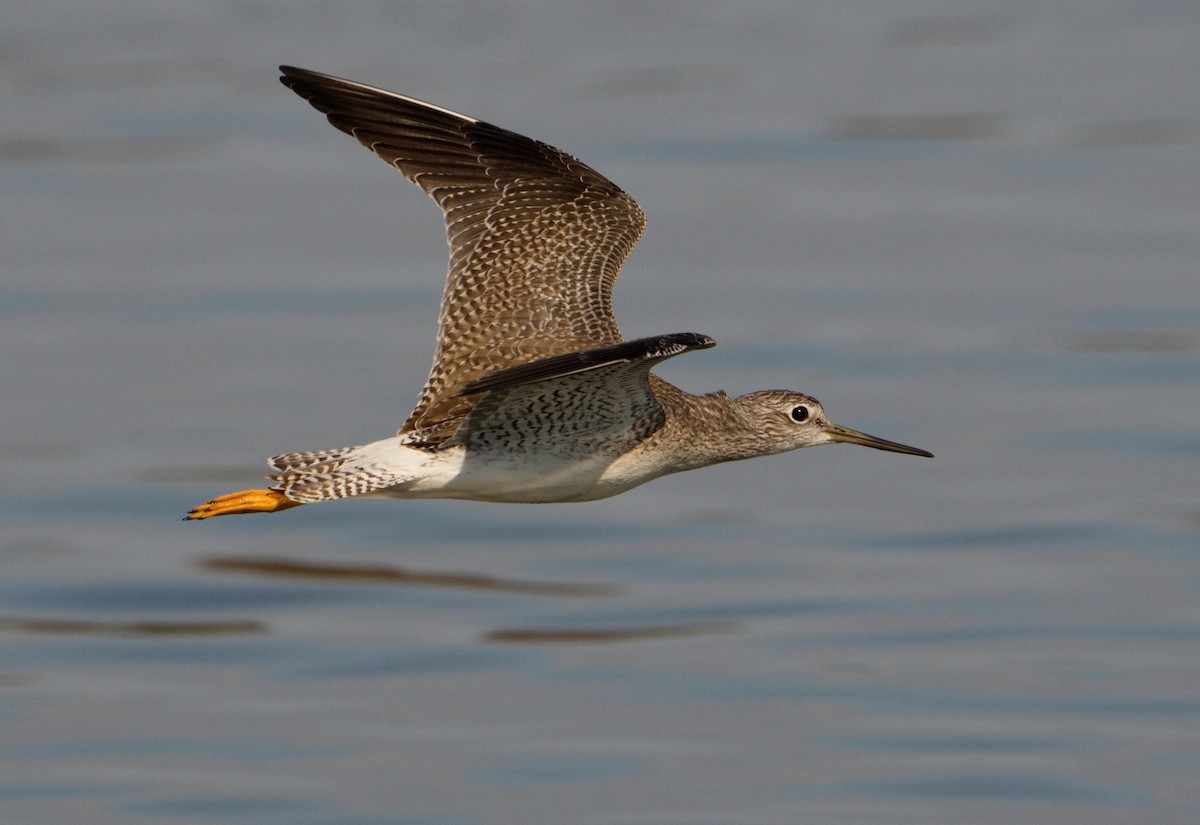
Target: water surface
point(968, 228)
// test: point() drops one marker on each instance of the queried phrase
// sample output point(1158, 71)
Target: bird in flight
point(533, 396)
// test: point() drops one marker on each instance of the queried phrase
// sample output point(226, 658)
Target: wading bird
point(533, 396)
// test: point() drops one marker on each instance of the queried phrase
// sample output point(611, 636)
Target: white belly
point(517, 478)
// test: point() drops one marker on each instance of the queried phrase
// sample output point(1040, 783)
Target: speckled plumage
point(533, 395)
point(536, 237)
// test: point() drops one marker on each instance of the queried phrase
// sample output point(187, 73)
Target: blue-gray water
point(972, 227)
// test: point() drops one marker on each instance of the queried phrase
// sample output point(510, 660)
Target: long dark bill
point(849, 436)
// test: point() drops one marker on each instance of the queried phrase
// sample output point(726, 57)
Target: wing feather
point(581, 405)
point(536, 236)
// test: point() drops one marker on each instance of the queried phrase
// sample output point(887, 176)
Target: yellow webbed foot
point(245, 501)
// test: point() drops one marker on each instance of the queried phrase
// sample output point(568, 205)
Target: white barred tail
point(321, 475)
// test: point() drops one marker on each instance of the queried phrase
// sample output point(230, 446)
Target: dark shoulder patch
point(656, 348)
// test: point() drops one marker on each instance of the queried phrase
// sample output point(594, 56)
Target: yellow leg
point(245, 501)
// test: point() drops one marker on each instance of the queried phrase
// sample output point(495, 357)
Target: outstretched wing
point(536, 237)
point(584, 404)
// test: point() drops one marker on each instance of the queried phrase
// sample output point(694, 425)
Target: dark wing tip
point(294, 73)
point(291, 75)
point(655, 348)
point(308, 84)
point(677, 342)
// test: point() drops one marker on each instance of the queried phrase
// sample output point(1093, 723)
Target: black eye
point(800, 414)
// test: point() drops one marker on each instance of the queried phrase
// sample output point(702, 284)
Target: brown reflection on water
point(1130, 341)
point(1152, 132)
point(92, 627)
point(946, 30)
point(45, 149)
point(605, 635)
point(232, 473)
point(387, 574)
point(968, 126)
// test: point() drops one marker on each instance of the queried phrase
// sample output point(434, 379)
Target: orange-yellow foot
point(245, 501)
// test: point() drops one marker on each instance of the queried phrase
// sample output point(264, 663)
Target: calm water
point(968, 227)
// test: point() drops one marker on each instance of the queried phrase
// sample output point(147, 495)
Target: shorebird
point(533, 395)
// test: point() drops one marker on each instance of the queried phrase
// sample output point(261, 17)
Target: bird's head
point(789, 420)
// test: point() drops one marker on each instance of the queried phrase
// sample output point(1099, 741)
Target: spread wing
point(536, 237)
point(597, 402)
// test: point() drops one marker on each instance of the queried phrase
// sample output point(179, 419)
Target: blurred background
point(967, 226)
